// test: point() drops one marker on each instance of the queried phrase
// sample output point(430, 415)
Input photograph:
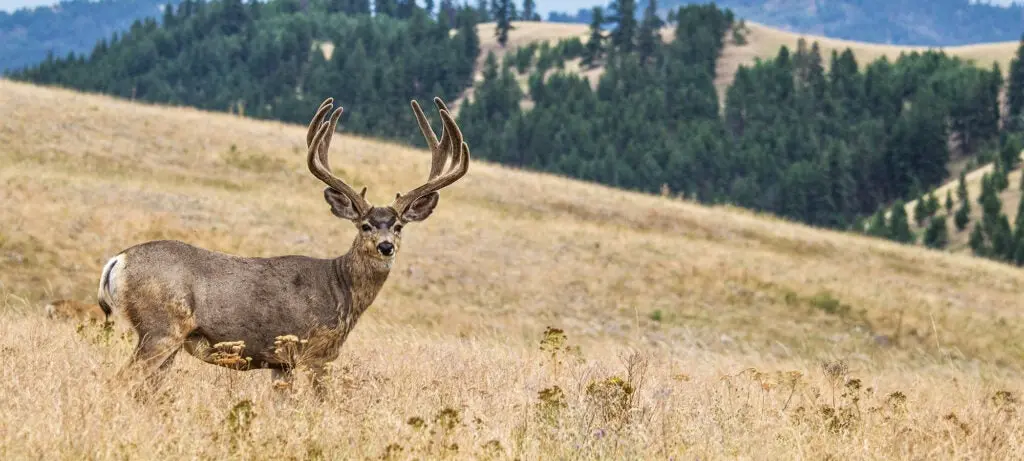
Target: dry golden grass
point(396, 392)
point(701, 294)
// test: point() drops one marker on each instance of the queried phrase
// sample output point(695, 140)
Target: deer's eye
point(398, 228)
point(367, 228)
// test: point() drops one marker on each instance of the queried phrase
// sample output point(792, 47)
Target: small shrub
point(612, 397)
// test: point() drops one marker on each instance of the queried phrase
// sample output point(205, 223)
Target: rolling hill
point(29, 33)
point(702, 332)
point(763, 42)
point(901, 22)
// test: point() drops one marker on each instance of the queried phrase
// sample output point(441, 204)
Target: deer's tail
point(108, 284)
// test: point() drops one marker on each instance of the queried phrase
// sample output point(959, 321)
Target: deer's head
point(380, 227)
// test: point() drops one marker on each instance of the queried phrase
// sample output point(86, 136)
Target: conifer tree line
point(266, 59)
point(992, 235)
point(822, 139)
point(818, 138)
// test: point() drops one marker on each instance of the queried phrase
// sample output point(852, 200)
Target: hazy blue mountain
point(902, 22)
point(28, 34)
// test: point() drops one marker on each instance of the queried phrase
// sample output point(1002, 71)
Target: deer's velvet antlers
point(318, 141)
point(451, 145)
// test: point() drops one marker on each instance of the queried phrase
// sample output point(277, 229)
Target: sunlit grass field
point(530, 317)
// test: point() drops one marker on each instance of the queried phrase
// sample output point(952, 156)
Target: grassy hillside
point(958, 240)
point(739, 335)
point(763, 42)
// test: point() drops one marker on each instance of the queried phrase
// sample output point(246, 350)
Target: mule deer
point(176, 295)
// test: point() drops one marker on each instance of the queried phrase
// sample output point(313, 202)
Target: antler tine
point(440, 150)
point(314, 124)
point(451, 130)
point(316, 157)
point(459, 167)
point(326, 143)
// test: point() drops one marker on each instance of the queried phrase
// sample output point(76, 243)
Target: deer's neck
point(361, 278)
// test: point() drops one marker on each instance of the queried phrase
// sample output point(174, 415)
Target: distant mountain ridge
point(28, 34)
point(897, 22)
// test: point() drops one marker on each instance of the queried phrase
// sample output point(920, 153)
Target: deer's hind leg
point(149, 363)
point(162, 333)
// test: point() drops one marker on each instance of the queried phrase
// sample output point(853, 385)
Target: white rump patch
point(109, 278)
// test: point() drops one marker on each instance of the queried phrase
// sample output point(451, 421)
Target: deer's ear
point(341, 206)
point(421, 208)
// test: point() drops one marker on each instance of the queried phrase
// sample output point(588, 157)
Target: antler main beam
point(441, 150)
point(318, 141)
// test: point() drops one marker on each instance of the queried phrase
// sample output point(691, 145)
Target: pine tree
point(446, 12)
point(1015, 87)
point(483, 11)
point(1009, 152)
point(932, 205)
point(899, 226)
point(949, 201)
point(385, 7)
point(936, 236)
point(1019, 221)
point(530, 11)
point(991, 206)
point(170, 19)
point(624, 17)
point(961, 188)
point(1001, 236)
point(816, 81)
point(406, 9)
point(502, 12)
point(920, 210)
point(1000, 176)
point(977, 241)
point(963, 215)
point(1018, 255)
point(595, 44)
point(649, 36)
point(877, 227)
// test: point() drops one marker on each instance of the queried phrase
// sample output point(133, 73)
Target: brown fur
point(176, 295)
point(69, 309)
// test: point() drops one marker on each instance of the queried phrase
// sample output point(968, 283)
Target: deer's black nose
point(386, 248)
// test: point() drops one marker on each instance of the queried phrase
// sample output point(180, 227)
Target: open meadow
point(531, 317)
